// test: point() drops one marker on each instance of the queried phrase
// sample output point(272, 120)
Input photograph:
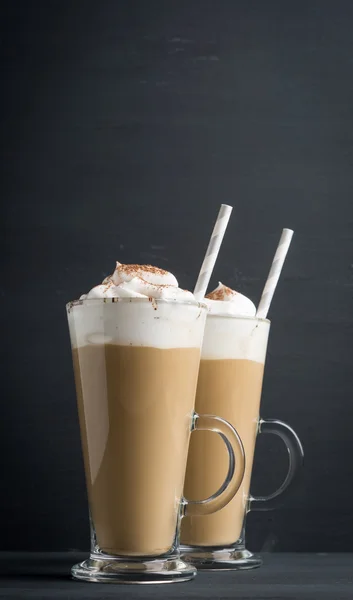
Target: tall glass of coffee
point(230, 382)
point(136, 360)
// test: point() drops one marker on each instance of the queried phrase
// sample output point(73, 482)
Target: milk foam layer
point(235, 337)
point(237, 334)
point(135, 322)
point(140, 281)
point(138, 305)
point(223, 300)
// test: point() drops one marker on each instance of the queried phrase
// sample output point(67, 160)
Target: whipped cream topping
point(224, 300)
point(140, 281)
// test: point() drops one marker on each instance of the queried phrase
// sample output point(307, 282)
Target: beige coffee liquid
point(135, 406)
point(230, 389)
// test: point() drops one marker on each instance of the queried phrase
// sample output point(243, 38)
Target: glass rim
point(240, 317)
point(91, 301)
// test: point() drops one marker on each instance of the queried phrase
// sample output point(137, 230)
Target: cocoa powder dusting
point(130, 269)
point(221, 293)
point(108, 283)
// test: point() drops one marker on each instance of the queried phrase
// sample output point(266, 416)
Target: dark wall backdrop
point(125, 125)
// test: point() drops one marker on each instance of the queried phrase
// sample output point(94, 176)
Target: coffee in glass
point(136, 343)
point(230, 383)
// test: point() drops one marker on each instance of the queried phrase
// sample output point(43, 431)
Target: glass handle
point(236, 468)
point(296, 458)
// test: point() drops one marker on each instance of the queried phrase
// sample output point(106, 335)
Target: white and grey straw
point(212, 251)
point(274, 273)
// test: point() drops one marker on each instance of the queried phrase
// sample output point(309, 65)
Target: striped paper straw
point(212, 251)
point(274, 273)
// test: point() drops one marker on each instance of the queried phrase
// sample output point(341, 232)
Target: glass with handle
point(136, 364)
point(230, 382)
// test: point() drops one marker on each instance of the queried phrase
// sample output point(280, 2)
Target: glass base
point(232, 558)
point(118, 570)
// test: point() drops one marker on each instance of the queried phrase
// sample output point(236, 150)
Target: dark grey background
point(125, 125)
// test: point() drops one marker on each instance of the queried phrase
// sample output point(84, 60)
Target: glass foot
point(221, 559)
point(118, 570)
